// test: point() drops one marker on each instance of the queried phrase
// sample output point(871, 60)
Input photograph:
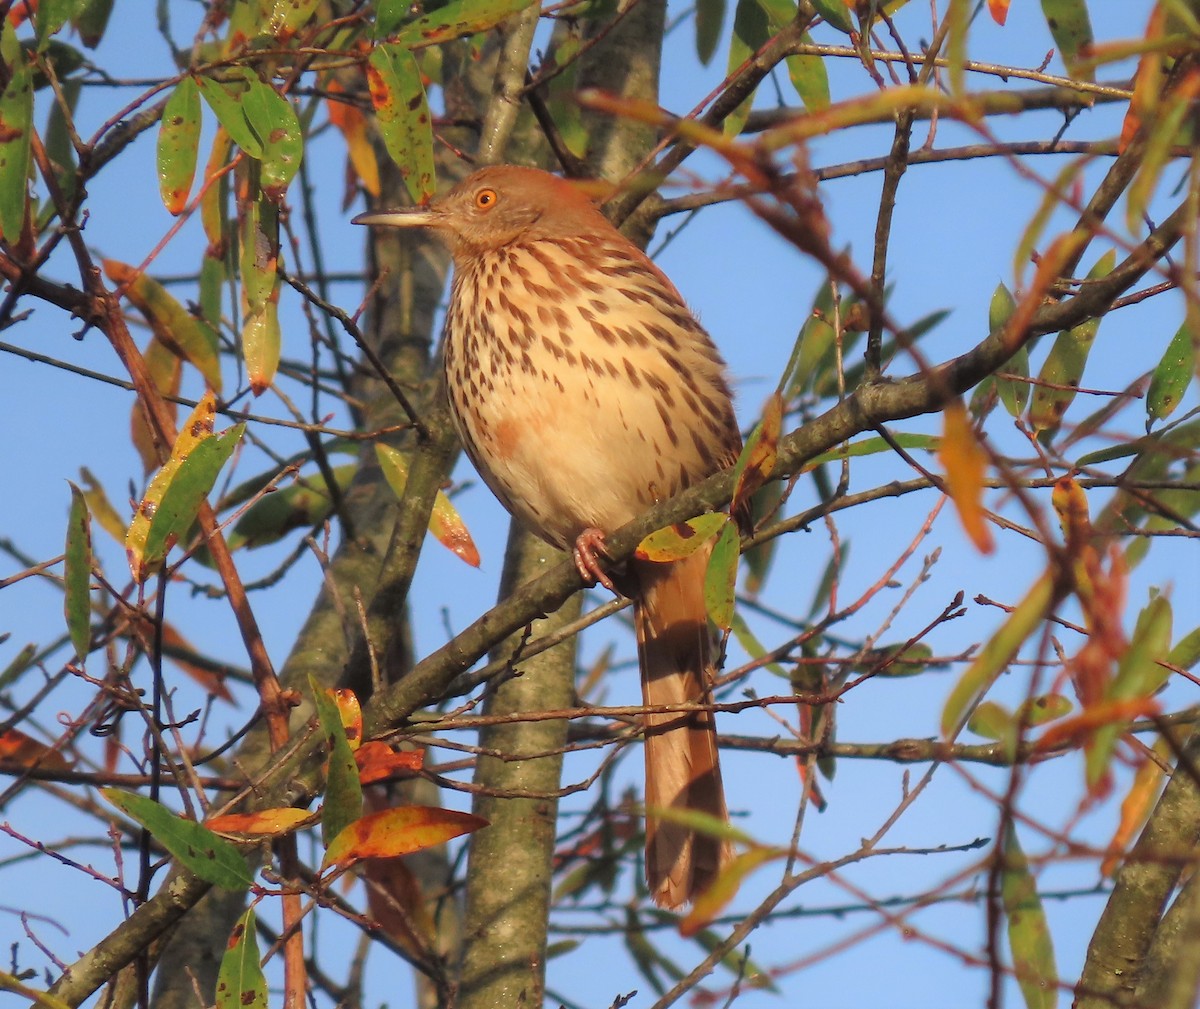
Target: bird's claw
point(588, 544)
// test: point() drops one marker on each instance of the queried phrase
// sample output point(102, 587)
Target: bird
point(585, 391)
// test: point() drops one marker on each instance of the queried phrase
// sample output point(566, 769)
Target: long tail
point(682, 772)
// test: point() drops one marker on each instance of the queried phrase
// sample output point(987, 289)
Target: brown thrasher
point(585, 391)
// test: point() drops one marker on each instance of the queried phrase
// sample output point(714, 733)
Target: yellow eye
point(485, 199)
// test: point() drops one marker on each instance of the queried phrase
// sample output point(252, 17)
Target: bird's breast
point(582, 387)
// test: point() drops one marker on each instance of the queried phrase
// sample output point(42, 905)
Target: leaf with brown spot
point(966, 467)
point(757, 460)
point(399, 831)
point(402, 111)
point(178, 145)
point(241, 983)
point(209, 856)
point(681, 539)
point(458, 18)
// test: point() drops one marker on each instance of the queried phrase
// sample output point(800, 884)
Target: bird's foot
point(588, 544)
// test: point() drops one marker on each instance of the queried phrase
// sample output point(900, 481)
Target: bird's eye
point(485, 199)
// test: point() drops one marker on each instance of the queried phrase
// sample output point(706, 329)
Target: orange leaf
point(1147, 81)
point(1134, 810)
point(352, 124)
point(351, 713)
point(398, 832)
point(378, 762)
point(266, 822)
point(451, 532)
point(21, 749)
point(966, 466)
point(999, 11)
point(1070, 730)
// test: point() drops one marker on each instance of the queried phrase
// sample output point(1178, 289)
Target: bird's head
point(496, 206)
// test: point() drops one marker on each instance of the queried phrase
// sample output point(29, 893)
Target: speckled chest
point(583, 388)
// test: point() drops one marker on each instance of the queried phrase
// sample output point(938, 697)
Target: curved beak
point(407, 217)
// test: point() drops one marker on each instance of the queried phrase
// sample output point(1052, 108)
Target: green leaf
point(49, 17)
point(1169, 129)
point(807, 73)
point(835, 14)
point(1072, 31)
point(343, 791)
point(996, 654)
point(1028, 932)
point(241, 983)
point(402, 111)
point(459, 18)
point(1013, 394)
point(1172, 375)
point(991, 720)
point(197, 848)
point(1063, 369)
point(179, 145)
point(1139, 674)
point(91, 19)
point(809, 77)
point(273, 119)
point(750, 32)
point(710, 18)
point(304, 504)
point(77, 575)
point(720, 580)
point(752, 646)
point(873, 446)
point(179, 500)
point(389, 15)
point(21, 661)
point(1043, 708)
point(16, 134)
point(226, 99)
point(283, 18)
point(764, 503)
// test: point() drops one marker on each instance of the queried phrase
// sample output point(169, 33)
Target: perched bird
point(585, 391)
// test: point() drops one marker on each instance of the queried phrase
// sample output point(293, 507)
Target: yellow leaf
point(725, 887)
point(445, 522)
point(351, 712)
point(681, 539)
point(966, 466)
